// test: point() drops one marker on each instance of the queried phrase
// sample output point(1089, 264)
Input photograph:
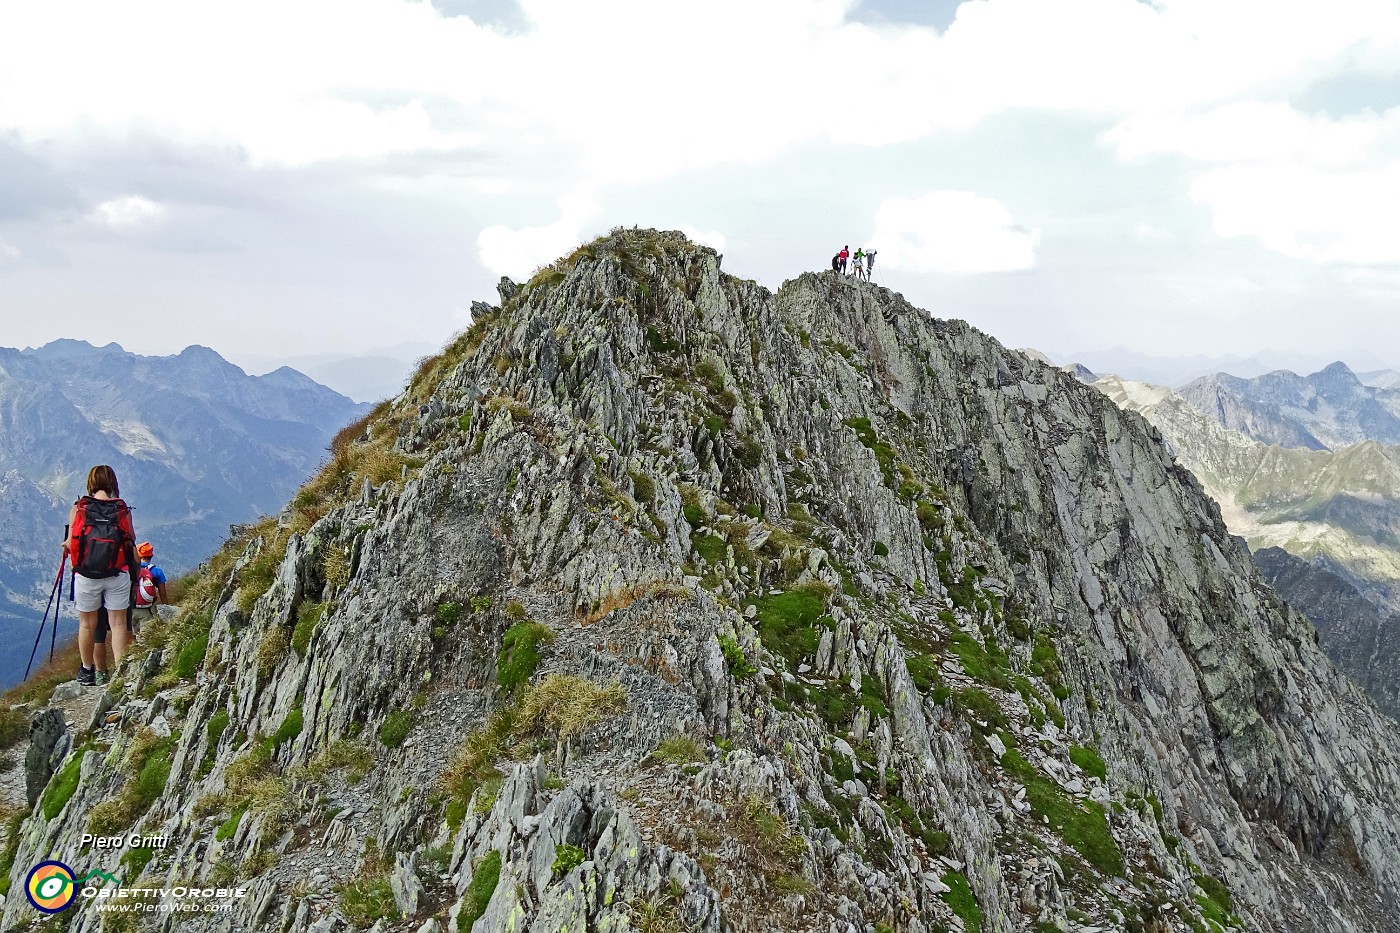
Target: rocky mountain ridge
point(661, 602)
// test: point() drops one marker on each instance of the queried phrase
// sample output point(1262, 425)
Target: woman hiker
point(102, 549)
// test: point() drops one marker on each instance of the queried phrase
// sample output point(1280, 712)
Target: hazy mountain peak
point(67, 347)
point(1328, 409)
point(1338, 375)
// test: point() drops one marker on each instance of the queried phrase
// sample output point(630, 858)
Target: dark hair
point(104, 478)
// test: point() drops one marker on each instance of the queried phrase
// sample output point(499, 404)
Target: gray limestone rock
point(48, 743)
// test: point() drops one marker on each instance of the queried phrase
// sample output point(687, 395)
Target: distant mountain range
point(196, 442)
point(1335, 508)
point(367, 377)
point(1176, 371)
point(1326, 410)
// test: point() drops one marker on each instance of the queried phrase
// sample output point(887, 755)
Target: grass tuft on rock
point(960, 898)
point(520, 654)
point(989, 667)
point(214, 731)
point(679, 750)
point(62, 785)
point(555, 709)
point(393, 732)
point(485, 877)
point(308, 617)
point(366, 901)
point(1089, 761)
point(147, 765)
point(787, 622)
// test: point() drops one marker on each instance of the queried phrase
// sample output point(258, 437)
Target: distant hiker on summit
point(102, 548)
point(836, 263)
point(844, 255)
point(869, 264)
point(859, 269)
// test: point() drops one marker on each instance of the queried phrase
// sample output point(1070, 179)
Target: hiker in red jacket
point(845, 254)
point(102, 549)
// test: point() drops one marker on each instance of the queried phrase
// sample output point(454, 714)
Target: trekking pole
point(57, 584)
point(45, 620)
point(58, 607)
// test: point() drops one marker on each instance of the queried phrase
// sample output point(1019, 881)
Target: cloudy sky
point(281, 179)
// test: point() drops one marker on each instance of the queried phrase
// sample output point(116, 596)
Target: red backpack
point(146, 590)
point(97, 535)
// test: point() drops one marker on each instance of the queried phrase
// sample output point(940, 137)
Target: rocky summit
point(661, 602)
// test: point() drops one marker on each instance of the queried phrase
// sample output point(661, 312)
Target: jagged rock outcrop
point(663, 602)
point(48, 743)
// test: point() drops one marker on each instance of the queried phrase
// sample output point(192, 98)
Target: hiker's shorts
point(112, 592)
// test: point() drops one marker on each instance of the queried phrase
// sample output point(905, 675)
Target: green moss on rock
point(787, 622)
point(520, 653)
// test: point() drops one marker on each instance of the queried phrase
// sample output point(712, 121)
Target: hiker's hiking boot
point(87, 677)
point(101, 678)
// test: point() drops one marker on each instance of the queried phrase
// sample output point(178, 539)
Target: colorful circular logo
point(50, 887)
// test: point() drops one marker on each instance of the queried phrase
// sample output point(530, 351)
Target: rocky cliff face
point(662, 602)
point(1362, 639)
point(1334, 512)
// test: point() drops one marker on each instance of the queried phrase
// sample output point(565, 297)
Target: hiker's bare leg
point(87, 622)
point(120, 636)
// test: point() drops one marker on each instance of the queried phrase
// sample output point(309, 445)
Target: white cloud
point(127, 214)
point(711, 238)
point(952, 232)
point(1308, 213)
point(1306, 186)
point(1253, 131)
point(627, 90)
point(1151, 233)
point(516, 252)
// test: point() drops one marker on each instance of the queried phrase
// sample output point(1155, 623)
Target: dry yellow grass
point(566, 706)
point(560, 706)
point(621, 599)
